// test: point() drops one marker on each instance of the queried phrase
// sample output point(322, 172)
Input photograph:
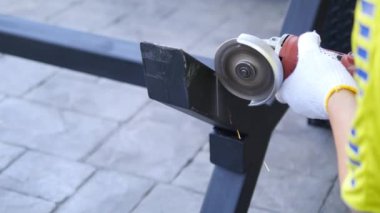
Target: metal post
point(241, 136)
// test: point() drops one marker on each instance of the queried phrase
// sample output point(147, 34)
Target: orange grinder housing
point(289, 56)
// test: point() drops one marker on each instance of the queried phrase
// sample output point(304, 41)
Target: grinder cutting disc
point(249, 68)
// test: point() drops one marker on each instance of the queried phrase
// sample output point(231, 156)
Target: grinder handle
point(289, 56)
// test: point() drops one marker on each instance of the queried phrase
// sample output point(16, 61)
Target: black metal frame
point(242, 133)
point(175, 78)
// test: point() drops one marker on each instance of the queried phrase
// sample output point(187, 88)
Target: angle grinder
point(254, 69)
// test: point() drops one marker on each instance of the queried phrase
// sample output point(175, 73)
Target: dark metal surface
point(224, 192)
point(227, 150)
point(301, 16)
point(97, 55)
point(334, 25)
point(175, 78)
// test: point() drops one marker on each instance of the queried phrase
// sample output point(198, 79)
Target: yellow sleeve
point(361, 188)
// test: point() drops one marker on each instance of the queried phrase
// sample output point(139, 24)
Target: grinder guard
point(249, 68)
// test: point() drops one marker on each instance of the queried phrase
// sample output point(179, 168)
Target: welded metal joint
point(241, 135)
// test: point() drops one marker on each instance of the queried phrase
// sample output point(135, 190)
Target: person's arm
point(341, 110)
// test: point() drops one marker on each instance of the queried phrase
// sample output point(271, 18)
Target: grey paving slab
point(2, 96)
point(76, 75)
point(61, 133)
point(81, 16)
point(107, 192)
point(11, 202)
point(170, 199)
point(196, 176)
point(285, 191)
point(307, 150)
point(114, 101)
point(292, 122)
point(260, 210)
point(156, 143)
point(172, 23)
point(45, 176)
point(37, 10)
point(206, 147)
point(8, 153)
point(334, 203)
point(20, 75)
point(243, 17)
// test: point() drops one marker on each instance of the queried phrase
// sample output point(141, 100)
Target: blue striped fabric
point(367, 8)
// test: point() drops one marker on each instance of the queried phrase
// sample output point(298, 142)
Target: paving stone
point(66, 73)
point(45, 176)
point(107, 192)
point(61, 133)
point(81, 16)
point(156, 143)
point(334, 203)
point(37, 10)
point(8, 154)
point(17, 203)
point(285, 191)
point(115, 101)
point(20, 75)
point(196, 176)
point(168, 23)
point(261, 23)
point(308, 151)
point(170, 199)
point(206, 147)
point(260, 210)
point(2, 96)
point(292, 122)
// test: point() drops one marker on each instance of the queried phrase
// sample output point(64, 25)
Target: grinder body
point(254, 69)
point(288, 54)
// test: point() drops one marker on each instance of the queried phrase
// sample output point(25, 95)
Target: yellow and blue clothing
point(361, 188)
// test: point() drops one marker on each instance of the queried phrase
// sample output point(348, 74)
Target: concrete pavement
point(71, 142)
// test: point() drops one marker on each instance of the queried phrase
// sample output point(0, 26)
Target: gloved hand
point(316, 77)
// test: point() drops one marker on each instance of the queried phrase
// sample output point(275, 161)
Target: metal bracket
point(242, 133)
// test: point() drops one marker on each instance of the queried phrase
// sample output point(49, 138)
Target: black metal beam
point(93, 54)
point(175, 78)
point(301, 16)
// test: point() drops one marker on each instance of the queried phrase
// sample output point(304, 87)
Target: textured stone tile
point(8, 153)
point(2, 96)
point(260, 210)
point(168, 23)
point(261, 23)
point(76, 75)
point(196, 176)
point(45, 176)
point(115, 101)
point(334, 202)
point(35, 9)
point(20, 75)
point(206, 147)
point(107, 192)
point(81, 16)
point(309, 151)
point(285, 191)
point(61, 133)
point(155, 144)
point(17, 203)
point(292, 122)
point(170, 199)
point(142, 15)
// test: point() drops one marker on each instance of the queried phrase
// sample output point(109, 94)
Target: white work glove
point(316, 77)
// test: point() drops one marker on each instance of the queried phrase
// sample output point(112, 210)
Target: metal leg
point(224, 190)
